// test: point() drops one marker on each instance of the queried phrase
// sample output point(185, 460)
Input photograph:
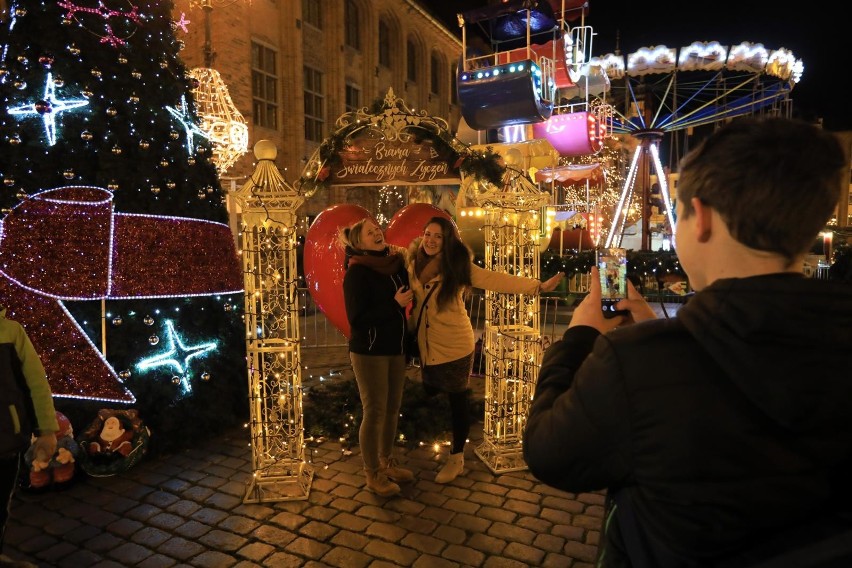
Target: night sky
point(813, 37)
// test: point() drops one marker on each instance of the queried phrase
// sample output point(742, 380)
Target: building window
point(314, 105)
point(435, 75)
point(454, 85)
point(311, 13)
point(353, 27)
point(264, 86)
point(384, 44)
point(412, 61)
point(353, 98)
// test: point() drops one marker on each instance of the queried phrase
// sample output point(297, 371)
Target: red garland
point(56, 245)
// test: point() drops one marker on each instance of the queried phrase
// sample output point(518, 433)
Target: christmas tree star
point(48, 108)
point(177, 355)
point(186, 121)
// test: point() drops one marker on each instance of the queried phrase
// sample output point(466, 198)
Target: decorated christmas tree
point(115, 254)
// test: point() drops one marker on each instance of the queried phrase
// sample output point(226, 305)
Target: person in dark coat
point(723, 436)
point(376, 293)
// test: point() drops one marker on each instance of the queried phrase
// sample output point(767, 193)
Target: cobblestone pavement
point(187, 509)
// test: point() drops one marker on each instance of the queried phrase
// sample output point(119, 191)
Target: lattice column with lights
point(279, 469)
point(512, 332)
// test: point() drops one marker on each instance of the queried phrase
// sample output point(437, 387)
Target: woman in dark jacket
point(376, 293)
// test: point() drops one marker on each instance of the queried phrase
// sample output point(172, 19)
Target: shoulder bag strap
point(420, 315)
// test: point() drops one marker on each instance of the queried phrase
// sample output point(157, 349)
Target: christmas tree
point(115, 252)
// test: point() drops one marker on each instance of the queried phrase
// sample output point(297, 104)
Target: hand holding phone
point(612, 270)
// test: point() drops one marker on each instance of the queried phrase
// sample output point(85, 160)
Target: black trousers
point(8, 481)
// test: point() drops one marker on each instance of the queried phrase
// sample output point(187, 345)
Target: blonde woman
point(376, 293)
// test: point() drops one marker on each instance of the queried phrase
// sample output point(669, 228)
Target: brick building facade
point(292, 67)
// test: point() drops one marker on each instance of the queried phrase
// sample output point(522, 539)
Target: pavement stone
point(186, 510)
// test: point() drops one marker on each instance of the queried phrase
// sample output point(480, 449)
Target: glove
point(44, 447)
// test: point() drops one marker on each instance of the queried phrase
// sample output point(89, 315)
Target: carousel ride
point(663, 92)
point(528, 74)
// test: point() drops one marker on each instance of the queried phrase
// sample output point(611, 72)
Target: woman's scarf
point(426, 267)
point(381, 261)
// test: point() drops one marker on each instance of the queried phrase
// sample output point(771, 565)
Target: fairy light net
point(268, 234)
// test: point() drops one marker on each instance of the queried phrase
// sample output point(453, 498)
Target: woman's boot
point(391, 468)
point(378, 483)
point(452, 469)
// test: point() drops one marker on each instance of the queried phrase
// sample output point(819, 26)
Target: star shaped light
point(186, 121)
point(48, 108)
point(183, 23)
point(177, 355)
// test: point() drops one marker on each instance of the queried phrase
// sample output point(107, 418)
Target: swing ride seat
point(503, 95)
point(497, 91)
point(554, 50)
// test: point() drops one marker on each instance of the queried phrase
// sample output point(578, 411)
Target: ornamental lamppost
point(268, 235)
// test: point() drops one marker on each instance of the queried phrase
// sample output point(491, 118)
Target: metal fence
point(324, 349)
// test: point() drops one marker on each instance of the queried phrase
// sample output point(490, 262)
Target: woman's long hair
point(455, 262)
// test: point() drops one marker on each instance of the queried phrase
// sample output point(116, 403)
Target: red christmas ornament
point(46, 61)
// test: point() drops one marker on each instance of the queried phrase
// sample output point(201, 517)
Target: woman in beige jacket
point(441, 273)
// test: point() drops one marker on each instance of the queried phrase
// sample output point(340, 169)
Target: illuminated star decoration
point(188, 125)
point(183, 23)
point(50, 107)
point(103, 13)
point(177, 355)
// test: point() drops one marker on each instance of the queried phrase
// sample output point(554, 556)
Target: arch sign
point(391, 144)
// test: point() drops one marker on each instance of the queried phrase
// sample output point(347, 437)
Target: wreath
point(391, 117)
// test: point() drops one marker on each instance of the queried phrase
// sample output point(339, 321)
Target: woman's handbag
point(412, 347)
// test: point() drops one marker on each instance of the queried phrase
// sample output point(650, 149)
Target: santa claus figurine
point(59, 468)
point(113, 439)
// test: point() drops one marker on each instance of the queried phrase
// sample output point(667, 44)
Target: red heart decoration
point(408, 223)
point(324, 259)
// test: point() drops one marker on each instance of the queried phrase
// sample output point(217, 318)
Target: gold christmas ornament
point(220, 119)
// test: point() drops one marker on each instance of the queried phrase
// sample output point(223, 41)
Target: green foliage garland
point(486, 165)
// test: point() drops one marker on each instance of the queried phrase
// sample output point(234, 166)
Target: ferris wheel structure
point(661, 91)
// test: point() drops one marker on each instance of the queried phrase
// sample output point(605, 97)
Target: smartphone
point(612, 269)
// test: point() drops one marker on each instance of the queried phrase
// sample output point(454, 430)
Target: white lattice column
point(268, 236)
point(512, 332)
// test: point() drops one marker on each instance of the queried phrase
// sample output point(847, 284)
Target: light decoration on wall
point(181, 114)
point(48, 108)
point(221, 121)
point(176, 355)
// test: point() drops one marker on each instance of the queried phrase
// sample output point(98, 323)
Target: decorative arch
point(389, 143)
